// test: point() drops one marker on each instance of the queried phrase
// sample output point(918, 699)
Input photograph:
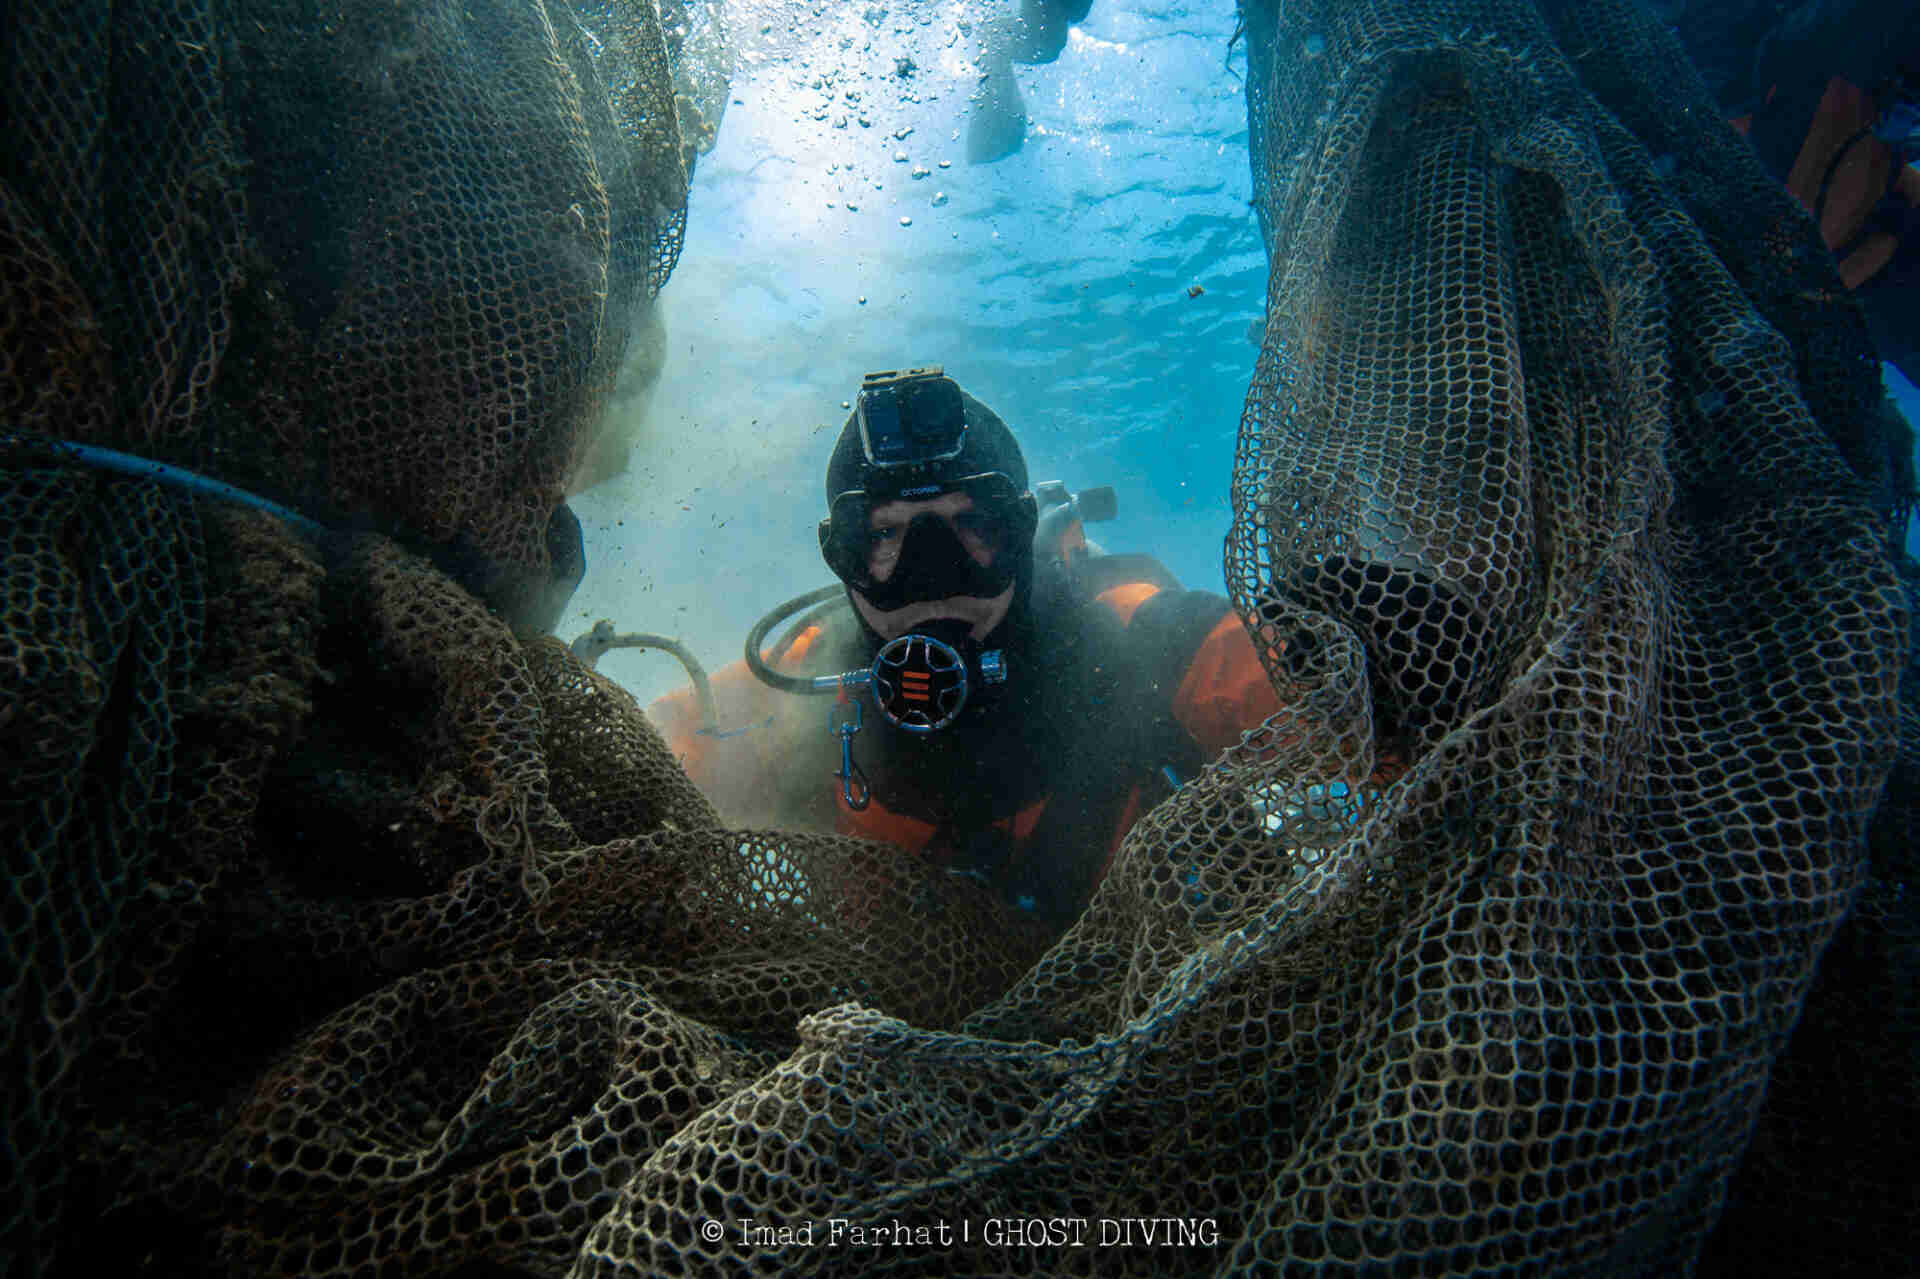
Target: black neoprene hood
point(989, 446)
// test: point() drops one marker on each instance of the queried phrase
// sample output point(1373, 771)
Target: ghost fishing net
point(377, 263)
point(355, 930)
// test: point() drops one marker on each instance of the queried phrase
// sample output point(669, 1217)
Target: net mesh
point(352, 930)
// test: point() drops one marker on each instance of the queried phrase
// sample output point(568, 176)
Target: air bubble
point(899, 157)
point(906, 221)
point(939, 198)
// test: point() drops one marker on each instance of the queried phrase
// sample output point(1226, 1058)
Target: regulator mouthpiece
point(921, 683)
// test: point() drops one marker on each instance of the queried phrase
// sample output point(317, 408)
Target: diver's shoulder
point(1116, 583)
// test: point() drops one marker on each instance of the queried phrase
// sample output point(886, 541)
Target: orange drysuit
point(1112, 696)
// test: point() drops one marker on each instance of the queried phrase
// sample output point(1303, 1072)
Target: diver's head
point(930, 523)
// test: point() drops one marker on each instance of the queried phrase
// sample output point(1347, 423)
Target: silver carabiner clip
point(853, 781)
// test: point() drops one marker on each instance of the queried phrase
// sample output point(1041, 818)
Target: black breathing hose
point(758, 635)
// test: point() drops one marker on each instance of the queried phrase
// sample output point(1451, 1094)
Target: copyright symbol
point(710, 1231)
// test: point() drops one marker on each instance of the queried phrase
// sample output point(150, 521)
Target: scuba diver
point(1024, 31)
point(1833, 111)
point(999, 695)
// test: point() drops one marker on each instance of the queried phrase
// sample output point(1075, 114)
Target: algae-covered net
point(353, 928)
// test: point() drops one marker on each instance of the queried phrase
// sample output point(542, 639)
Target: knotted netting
point(353, 930)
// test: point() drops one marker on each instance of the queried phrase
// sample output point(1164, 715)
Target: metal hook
point(853, 781)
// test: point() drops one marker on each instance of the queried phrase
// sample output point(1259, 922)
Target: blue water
point(1906, 398)
point(1053, 284)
